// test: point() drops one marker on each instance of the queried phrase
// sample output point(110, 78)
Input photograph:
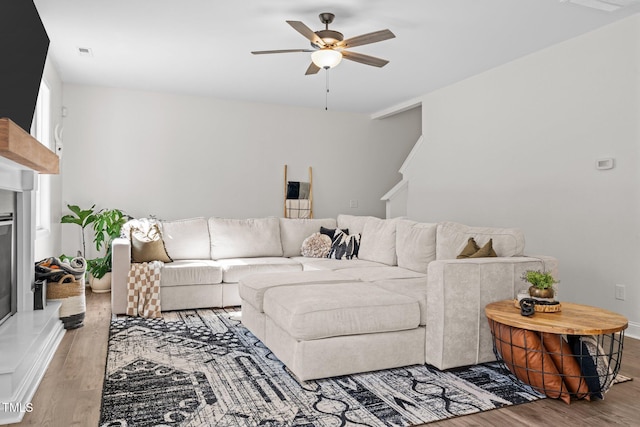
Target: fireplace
point(28, 337)
point(8, 292)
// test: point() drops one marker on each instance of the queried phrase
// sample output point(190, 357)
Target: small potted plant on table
point(541, 283)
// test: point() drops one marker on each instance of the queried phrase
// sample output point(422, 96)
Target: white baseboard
point(633, 331)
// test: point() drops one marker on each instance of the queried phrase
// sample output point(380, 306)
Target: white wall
point(48, 243)
point(7, 201)
point(516, 146)
point(182, 156)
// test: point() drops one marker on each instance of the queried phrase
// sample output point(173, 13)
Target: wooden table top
point(574, 319)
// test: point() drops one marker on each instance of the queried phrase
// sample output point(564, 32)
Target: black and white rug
point(203, 368)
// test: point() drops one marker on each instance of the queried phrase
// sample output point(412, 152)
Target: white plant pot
point(101, 285)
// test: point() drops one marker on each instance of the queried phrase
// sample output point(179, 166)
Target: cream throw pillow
point(415, 244)
point(245, 238)
point(378, 241)
point(187, 238)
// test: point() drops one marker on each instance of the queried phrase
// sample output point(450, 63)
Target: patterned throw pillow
point(332, 231)
point(317, 245)
point(148, 245)
point(594, 364)
point(344, 245)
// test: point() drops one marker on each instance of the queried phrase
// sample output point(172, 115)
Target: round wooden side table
point(575, 352)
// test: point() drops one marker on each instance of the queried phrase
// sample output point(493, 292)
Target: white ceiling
point(203, 47)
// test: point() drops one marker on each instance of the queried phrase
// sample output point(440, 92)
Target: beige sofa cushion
point(191, 272)
point(235, 269)
point(452, 237)
point(334, 264)
point(186, 238)
point(378, 241)
point(309, 312)
point(293, 231)
point(415, 244)
point(245, 238)
point(355, 223)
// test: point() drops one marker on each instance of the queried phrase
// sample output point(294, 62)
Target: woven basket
point(70, 293)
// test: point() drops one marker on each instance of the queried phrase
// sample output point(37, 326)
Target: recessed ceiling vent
point(605, 5)
point(85, 51)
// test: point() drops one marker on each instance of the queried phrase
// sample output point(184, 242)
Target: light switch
point(603, 164)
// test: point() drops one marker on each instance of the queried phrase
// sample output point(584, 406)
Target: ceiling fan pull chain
point(326, 94)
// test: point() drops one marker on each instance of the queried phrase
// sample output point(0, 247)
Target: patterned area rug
point(203, 368)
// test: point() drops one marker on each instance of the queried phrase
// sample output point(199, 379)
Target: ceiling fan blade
point(376, 36)
point(262, 52)
point(364, 59)
point(307, 32)
point(313, 69)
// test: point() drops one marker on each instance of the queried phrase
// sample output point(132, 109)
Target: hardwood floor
point(70, 392)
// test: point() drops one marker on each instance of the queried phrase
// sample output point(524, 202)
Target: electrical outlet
point(620, 292)
point(353, 203)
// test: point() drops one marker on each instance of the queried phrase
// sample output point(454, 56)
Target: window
point(41, 130)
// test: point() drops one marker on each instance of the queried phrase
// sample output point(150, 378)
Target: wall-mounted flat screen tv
point(23, 51)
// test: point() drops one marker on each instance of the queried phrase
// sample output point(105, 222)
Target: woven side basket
point(71, 293)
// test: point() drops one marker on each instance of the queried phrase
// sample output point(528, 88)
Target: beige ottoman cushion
point(381, 273)
point(309, 312)
point(253, 288)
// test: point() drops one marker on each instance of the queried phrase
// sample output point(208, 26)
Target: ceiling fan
point(328, 47)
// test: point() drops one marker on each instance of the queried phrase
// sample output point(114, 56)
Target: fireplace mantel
point(20, 147)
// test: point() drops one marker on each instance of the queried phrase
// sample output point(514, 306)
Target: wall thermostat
point(603, 164)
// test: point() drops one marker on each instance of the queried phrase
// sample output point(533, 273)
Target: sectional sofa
point(405, 300)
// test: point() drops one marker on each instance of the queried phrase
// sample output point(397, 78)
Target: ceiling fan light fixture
point(326, 58)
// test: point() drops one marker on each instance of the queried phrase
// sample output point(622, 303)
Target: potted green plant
point(541, 283)
point(106, 227)
point(82, 218)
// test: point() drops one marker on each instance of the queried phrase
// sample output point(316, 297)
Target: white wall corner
point(412, 155)
point(395, 190)
point(396, 200)
point(397, 109)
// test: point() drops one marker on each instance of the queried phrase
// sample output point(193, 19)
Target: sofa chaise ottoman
point(342, 328)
